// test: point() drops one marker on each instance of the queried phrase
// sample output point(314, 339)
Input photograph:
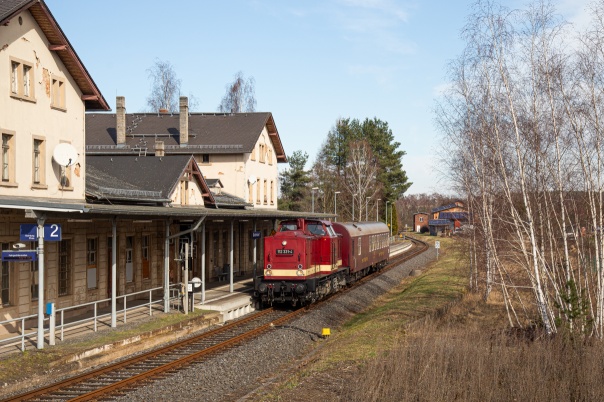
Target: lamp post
point(366, 207)
point(387, 211)
point(335, 205)
point(377, 210)
point(313, 197)
point(391, 220)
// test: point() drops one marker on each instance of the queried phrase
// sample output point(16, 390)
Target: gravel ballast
point(236, 373)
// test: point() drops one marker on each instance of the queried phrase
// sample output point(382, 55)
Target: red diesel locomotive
point(307, 259)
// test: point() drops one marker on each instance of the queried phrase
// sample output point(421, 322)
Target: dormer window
point(205, 158)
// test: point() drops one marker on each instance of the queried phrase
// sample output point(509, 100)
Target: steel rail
point(137, 359)
point(185, 360)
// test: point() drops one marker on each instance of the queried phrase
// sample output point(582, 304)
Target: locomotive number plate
point(283, 251)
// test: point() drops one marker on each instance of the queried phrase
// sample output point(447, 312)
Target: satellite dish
point(251, 179)
point(65, 154)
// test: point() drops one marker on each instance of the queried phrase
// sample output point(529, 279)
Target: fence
point(135, 303)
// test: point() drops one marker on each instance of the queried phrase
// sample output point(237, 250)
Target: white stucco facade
point(41, 107)
point(252, 176)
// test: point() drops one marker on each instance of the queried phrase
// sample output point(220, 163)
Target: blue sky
point(313, 61)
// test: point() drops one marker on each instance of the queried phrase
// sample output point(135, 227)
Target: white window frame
point(39, 162)
point(8, 158)
point(92, 251)
point(129, 257)
point(65, 264)
point(22, 80)
point(58, 100)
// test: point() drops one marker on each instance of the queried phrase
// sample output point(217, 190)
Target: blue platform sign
point(29, 232)
point(256, 234)
point(19, 256)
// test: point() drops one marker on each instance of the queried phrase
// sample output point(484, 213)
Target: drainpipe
point(167, 258)
point(41, 282)
point(114, 273)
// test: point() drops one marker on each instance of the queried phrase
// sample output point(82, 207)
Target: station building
point(115, 196)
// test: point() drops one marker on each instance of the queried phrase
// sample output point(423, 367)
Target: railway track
point(107, 380)
point(130, 373)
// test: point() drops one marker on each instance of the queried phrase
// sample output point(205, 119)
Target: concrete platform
point(229, 305)
point(400, 247)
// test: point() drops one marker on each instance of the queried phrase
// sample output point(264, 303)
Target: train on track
point(308, 259)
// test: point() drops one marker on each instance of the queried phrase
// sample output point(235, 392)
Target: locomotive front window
point(316, 229)
point(288, 226)
point(331, 232)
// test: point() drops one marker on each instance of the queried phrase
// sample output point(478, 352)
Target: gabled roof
point(130, 178)
point(453, 215)
point(226, 200)
point(91, 95)
point(445, 207)
point(214, 183)
point(211, 133)
point(439, 222)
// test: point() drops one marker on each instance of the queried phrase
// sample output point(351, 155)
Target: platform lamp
point(387, 211)
point(390, 220)
point(335, 205)
point(366, 207)
point(313, 197)
point(377, 210)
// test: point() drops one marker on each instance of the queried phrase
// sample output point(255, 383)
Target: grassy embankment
point(32, 363)
point(429, 340)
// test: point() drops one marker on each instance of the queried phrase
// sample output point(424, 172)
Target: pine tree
point(331, 170)
point(294, 183)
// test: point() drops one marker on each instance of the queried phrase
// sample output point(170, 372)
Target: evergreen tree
point(335, 158)
point(294, 183)
point(394, 220)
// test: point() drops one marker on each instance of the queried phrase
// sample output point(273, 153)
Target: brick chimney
point(120, 119)
point(159, 148)
point(184, 120)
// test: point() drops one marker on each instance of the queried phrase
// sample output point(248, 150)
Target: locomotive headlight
point(284, 243)
point(268, 272)
point(268, 266)
point(300, 272)
point(299, 266)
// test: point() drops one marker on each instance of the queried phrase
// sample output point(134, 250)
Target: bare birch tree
point(360, 176)
point(165, 87)
point(240, 96)
point(523, 119)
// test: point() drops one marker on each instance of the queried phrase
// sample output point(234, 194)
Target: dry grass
point(461, 349)
point(449, 362)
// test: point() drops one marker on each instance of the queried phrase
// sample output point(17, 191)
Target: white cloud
point(381, 74)
point(387, 7)
point(576, 11)
point(440, 89)
point(374, 24)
